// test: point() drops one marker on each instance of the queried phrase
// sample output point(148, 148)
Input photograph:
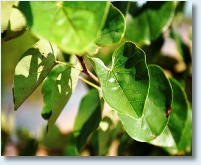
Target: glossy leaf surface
point(88, 118)
point(62, 90)
point(154, 119)
point(70, 25)
point(178, 119)
point(126, 83)
point(113, 29)
point(34, 65)
point(145, 23)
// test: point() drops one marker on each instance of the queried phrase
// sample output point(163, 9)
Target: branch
point(85, 70)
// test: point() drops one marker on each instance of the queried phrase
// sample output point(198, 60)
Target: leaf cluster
point(148, 105)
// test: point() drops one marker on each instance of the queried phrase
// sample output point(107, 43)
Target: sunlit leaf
point(155, 117)
point(47, 89)
point(34, 65)
point(16, 24)
point(145, 23)
point(6, 8)
point(88, 118)
point(125, 85)
point(62, 90)
point(70, 25)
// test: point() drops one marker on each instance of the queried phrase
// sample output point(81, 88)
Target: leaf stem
point(86, 71)
point(90, 83)
point(68, 64)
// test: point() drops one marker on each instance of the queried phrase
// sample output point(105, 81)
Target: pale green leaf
point(125, 85)
point(6, 7)
point(70, 25)
point(158, 101)
point(34, 65)
point(16, 24)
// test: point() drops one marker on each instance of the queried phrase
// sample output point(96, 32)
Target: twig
point(85, 70)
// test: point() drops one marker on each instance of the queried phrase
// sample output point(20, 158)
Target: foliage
point(148, 108)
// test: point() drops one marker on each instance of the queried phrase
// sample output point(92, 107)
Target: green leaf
point(145, 23)
point(113, 29)
point(70, 25)
point(34, 65)
point(174, 131)
point(185, 144)
point(88, 118)
point(62, 90)
point(126, 83)
point(47, 89)
point(158, 101)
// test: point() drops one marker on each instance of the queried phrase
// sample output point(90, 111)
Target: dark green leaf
point(34, 65)
point(47, 89)
point(88, 118)
point(113, 29)
point(158, 102)
point(61, 92)
point(145, 23)
point(177, 124)
point(70, 25)
point(126, 83)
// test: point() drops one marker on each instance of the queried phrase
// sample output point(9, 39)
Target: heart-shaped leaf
point(177, 124)
point(158, 103)
point(145, 23)
point(88, 118)
point(34, 65)
point(70, 25)
point(125, 85)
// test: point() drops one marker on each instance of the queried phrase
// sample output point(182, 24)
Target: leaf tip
point(46, 115)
